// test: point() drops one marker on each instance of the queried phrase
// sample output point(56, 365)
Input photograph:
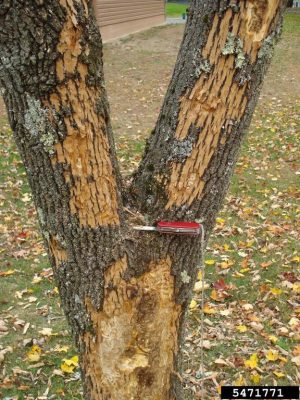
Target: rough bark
point(126, 294)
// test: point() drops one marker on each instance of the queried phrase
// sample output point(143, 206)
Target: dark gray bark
point(53, 86)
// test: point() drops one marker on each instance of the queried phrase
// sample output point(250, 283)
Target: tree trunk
point(126, 294)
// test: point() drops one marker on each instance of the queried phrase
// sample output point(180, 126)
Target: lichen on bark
point(37, 122)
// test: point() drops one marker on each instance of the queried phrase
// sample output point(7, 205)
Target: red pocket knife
point(173, 228)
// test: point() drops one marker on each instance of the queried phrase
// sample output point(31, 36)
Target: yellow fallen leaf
point(255, 378)
point(69, 369)
point(34, 354)
point(69, 365)
point(296, 259)
point(278, 374)
point(72, 361)
point(7, 273)
point(252, 362)
point(276, 291)
point(244, 270)
point(36, 279)
point(240, 381)
point(199, 276)
point(226, 247)
point(210, 262)
point(61, 349)
point(272, 355)
point(283, 359)
point(220, 221)
point(296, 287)
point(273, 338)
point(226, 264)
point(214, 295)
point(241, 328)
point(193, 304)
point(209, 310)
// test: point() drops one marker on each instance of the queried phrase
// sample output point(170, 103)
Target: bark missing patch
point(217, 99)
point(86, 148)
point(58, 251)
point(135, 335)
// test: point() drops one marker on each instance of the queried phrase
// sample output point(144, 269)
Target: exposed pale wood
point(85, 148)
point(131, 355)
point(217, 100)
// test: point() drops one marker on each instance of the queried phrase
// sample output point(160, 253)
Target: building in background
point(118, 18)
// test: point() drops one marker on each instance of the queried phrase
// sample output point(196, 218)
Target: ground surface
point(252, 310)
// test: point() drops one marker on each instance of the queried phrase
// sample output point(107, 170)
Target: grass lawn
point(251, 314)
point(175, 9)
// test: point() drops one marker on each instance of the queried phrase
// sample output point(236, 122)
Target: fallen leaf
point(7, 273)
point(61, 349)
point(69, 365)
point(209, 310)
point(36, 279)
point(294, 321)
point(296, 287)
point(272, 355)
point(34, 354)
point(247, 307)
point(242, 328)
point(276, 291)
point(221, 285)
point(255, 378)
point(210, 262)
point(278, 374)
point(19, 323)
point(252, 362)
point(273, 338)
point(296, 360)
point(193, 304)
point(3, 327)
point(240, 381)
point(220, 361)
point(32, 299)
point(46, 332)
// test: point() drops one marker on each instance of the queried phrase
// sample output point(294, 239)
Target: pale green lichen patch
point(48, 141)
point(41, 216)
point(234, 45)
point(205, 66)
point(229, 47)
point(267, 48)
point(185, 277)
point(240, 56)
point(37, 123)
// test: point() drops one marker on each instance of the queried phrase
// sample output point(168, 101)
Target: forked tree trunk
point(126, 294)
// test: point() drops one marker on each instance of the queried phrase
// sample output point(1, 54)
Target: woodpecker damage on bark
point(125, 294)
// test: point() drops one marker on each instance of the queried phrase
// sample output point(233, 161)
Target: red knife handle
point(179, 228)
